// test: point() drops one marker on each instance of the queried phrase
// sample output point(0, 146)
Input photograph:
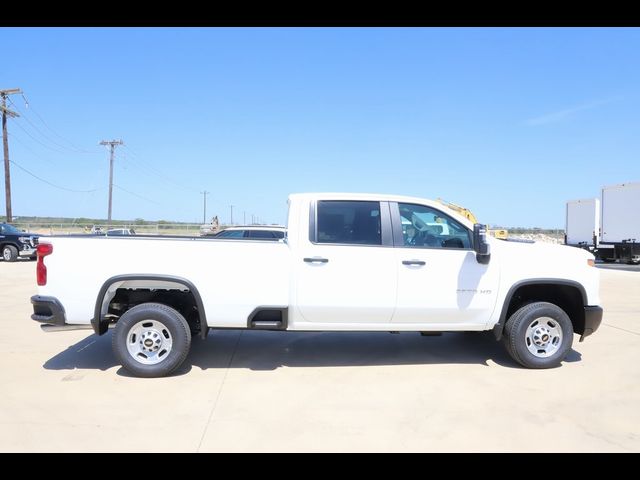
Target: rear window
point(262, 234)
point(231, 234)
point(349, 222)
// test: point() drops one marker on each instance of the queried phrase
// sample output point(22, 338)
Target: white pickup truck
point(346, 264)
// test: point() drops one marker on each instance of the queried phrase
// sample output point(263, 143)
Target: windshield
point(9, 229)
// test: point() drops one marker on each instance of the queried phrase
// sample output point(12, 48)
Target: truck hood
point(546, 256)
point(23, 234)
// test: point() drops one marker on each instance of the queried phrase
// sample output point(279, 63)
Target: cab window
point(426, 227)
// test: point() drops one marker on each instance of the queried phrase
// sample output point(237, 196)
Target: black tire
point(177, 331)
point(9, 253)
point(518, 342)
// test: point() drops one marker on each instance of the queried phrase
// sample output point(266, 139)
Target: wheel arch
point(100, 324)
point(7, 243)
point(567, 294)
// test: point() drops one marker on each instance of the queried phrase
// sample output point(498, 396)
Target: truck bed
point(255, 272)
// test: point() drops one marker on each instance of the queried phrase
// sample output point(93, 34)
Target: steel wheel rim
point(6, 254)
point(543, 337)
point(149, 342)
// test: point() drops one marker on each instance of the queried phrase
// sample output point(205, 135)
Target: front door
point(440, 281)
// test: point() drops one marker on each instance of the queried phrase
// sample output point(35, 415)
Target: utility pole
point(231, 214)
point(204, 216)
point(244, 218)
point(112, 144)
point(5, 144)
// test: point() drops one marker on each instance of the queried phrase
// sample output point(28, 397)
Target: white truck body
point(582, 225)
point(620, 224)
point(314, 284)
point(621, 212)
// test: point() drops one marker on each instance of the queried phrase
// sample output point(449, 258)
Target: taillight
point(43, 249)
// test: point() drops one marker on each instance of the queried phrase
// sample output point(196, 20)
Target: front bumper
point(27, 252)
point(48, 310)
point(592, 320)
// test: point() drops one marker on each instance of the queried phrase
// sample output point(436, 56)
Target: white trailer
point(582, 227)
point(620, 214)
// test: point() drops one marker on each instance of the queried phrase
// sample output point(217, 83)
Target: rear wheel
point(538, 335)
point(151, 340)
point(9, 253)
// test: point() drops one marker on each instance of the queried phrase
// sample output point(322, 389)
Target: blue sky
point(509, 122)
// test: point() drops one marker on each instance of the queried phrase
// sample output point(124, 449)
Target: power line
point(142, 168)
point(28, 105)
point(15, 137)
point(151, 169)
point(38, 141)
point(73, 150)
point(52, 184)
point(37, 155)
point(112, 144)
point(136, 195)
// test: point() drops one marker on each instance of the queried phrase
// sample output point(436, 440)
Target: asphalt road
point(283, 391)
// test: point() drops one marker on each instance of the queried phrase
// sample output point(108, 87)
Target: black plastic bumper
point(592, 320)
point(48, 310)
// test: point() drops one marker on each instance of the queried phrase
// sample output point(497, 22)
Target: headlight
point(24, 239)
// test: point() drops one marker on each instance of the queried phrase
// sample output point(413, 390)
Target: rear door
point(347, 269)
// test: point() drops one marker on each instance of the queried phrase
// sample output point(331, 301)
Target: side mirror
point(480, 244)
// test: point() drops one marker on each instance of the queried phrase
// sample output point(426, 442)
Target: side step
point(266, 325)
point(64, 328)
point(268, 318)
point(68, 327)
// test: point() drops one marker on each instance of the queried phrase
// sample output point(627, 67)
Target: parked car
point(15, 243)
point(252, 232)
point(118, 232)
point(345, 267)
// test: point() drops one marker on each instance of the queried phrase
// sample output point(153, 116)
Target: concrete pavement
point(279, 391)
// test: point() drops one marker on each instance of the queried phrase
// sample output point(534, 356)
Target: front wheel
point(151, 340)
point(538, 335)
point(10, 253)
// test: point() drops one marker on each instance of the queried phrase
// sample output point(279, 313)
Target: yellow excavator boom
point(468, 214)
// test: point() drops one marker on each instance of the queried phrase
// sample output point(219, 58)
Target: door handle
point(414, 262)
point(316, 260)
